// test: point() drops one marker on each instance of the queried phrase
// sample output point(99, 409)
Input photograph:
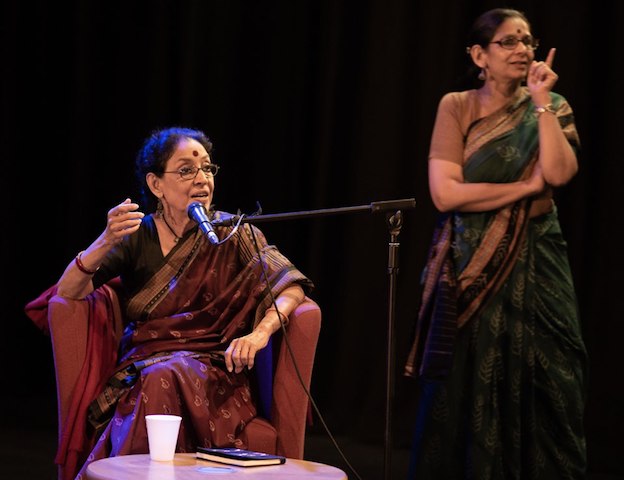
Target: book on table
point(239, 457)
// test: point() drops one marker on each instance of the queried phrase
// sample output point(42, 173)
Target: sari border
point(149, 297)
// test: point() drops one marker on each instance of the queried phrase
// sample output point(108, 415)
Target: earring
point(159, 208)
point(482, 75)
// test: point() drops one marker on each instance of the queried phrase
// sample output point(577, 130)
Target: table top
point(186, 467)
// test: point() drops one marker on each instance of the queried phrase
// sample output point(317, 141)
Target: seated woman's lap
point(214, 404)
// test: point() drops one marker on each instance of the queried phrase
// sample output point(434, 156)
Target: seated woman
point(197, 313)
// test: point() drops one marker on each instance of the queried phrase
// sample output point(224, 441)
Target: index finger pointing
point(550, 57)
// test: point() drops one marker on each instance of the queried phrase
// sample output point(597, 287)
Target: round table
point(186, 467)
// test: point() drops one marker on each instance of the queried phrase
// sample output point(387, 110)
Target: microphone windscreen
point(196, 211)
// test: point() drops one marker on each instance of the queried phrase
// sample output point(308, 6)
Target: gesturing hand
point(122, 220)
point(541, 77)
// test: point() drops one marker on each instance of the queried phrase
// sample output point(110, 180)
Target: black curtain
point(311, 105)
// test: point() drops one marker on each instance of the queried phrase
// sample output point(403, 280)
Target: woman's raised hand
point(541, 78)
point(122, 220)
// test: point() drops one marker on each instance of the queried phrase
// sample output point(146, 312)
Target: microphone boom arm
point(374, 207)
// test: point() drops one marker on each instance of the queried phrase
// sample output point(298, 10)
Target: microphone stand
point(394, 223)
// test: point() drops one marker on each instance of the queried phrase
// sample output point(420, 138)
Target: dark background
point(311, 104)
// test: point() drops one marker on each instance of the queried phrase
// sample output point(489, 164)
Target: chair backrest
point(68, 320)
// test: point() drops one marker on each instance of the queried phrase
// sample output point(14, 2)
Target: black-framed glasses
point(189, 173)
point(510, 42)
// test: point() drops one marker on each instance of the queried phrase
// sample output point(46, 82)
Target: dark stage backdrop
point(311, 105)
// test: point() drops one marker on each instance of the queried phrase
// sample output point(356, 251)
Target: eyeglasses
point(189, 173)
point(511, 42)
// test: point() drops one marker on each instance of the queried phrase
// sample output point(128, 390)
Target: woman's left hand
point(242, 351)
point(541, 79)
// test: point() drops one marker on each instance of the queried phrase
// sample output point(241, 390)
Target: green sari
point(498, 346)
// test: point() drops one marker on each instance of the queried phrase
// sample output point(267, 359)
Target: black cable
point(281, 316)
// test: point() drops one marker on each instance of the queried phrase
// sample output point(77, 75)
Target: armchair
point(282, 434)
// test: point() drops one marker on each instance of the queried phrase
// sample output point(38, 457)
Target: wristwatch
point(546, 108)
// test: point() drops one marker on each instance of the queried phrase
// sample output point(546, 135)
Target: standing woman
point(498, 346)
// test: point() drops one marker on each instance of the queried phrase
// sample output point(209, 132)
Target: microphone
point(197, 212)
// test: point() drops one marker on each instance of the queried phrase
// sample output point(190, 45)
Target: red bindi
point(195, 153)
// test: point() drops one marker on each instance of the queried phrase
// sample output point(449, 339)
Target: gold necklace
point(176, 239)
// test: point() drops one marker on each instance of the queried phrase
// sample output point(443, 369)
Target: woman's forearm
point(286, 302)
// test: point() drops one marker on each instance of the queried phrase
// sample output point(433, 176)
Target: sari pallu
point(470, 252)
point(172, 348)
point(497, 342)
point(205, 296)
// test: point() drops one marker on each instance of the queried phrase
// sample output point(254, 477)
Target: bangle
point(81, 266)
point(280, 315)
point(546, 108)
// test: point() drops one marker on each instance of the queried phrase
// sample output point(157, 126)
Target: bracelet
point(546, 108)
point(280, 315)
point(81, 266)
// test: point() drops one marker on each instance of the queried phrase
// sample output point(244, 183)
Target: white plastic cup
point(162, 436)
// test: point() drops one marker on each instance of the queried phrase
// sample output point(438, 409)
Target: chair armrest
point(290, 401)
